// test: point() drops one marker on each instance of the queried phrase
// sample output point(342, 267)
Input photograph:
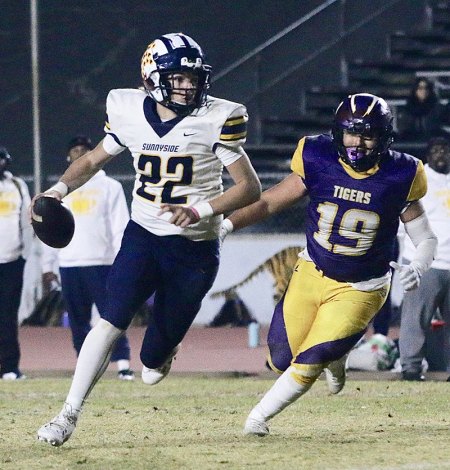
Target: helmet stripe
point(370, 107)
point(184, 39)
point(167, 42)
point(353, 104)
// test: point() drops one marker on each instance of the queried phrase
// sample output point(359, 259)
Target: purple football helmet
point(366, 115)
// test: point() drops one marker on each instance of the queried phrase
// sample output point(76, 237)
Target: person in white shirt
point(419, 306)
point(16, 236)
point(180, 139)
point(101, 215)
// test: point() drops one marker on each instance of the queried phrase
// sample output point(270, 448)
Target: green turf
point(196, 423)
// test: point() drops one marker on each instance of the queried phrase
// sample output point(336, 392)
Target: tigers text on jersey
point(174, 160)
point(354, 217)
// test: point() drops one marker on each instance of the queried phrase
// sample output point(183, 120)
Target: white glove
point(409, 274)
point(225, 229)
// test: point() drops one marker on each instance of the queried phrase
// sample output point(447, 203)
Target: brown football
point(52, 222)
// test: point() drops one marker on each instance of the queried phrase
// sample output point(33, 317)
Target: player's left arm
point(418, 228)
point(229, 150)
point(246, 190)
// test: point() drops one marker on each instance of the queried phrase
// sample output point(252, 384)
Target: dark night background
point(89, 47)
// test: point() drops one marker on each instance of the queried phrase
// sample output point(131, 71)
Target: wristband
point(202, 210)
point(61, 188)
point(227, 226)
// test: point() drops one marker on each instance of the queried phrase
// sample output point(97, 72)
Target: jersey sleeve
point(112, 142)
point(419, 185)
point(234, 130)
point(297, 160)
point(229, 155)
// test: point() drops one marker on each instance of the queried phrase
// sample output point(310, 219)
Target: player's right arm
point(279, 197)
point(79, 172)
point(84, 168)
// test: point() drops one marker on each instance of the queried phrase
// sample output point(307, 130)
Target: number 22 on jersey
point(159, 177)
point(357, 226)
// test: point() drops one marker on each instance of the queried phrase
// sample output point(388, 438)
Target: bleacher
point(408, 55)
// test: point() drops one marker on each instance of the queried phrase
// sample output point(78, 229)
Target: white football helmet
point(169, 54)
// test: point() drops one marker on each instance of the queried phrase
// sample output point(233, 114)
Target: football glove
point(410, 274)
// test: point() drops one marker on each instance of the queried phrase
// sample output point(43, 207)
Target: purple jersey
point(353, 217)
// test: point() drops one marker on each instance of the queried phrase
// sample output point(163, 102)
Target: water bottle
point(253, 334)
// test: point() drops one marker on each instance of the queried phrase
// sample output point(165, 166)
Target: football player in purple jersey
point(358, 192)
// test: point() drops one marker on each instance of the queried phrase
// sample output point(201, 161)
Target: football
point(52, 222)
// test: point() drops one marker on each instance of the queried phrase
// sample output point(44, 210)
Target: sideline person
point(101, 214)
point(420, 305)
point(16, 236)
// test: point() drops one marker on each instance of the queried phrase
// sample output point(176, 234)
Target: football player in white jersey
point(180, 139)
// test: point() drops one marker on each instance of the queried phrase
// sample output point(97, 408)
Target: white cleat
point(125, 374)
point(154, 376)
point(60, 428)
point(335, 375)
point(254, 427)
point(10, 376)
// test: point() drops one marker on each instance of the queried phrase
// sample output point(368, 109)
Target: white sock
point(92, 361)
point(123, 364)
point(283, 392)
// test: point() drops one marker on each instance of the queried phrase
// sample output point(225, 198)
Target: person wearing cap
point(101, 214)
point(16, 236)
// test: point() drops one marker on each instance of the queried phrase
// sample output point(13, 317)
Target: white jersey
point(175, 161)
point(16, 233)
point(436, 203)
point(101, 214)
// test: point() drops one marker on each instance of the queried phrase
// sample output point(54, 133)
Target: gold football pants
point(318, 320)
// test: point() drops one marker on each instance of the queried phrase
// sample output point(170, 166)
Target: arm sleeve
point(425, 241)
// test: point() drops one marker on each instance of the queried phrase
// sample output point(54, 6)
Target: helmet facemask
point(368, 116)
point(159, 70)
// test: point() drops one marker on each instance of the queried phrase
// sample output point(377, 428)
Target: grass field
point(196, 423)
